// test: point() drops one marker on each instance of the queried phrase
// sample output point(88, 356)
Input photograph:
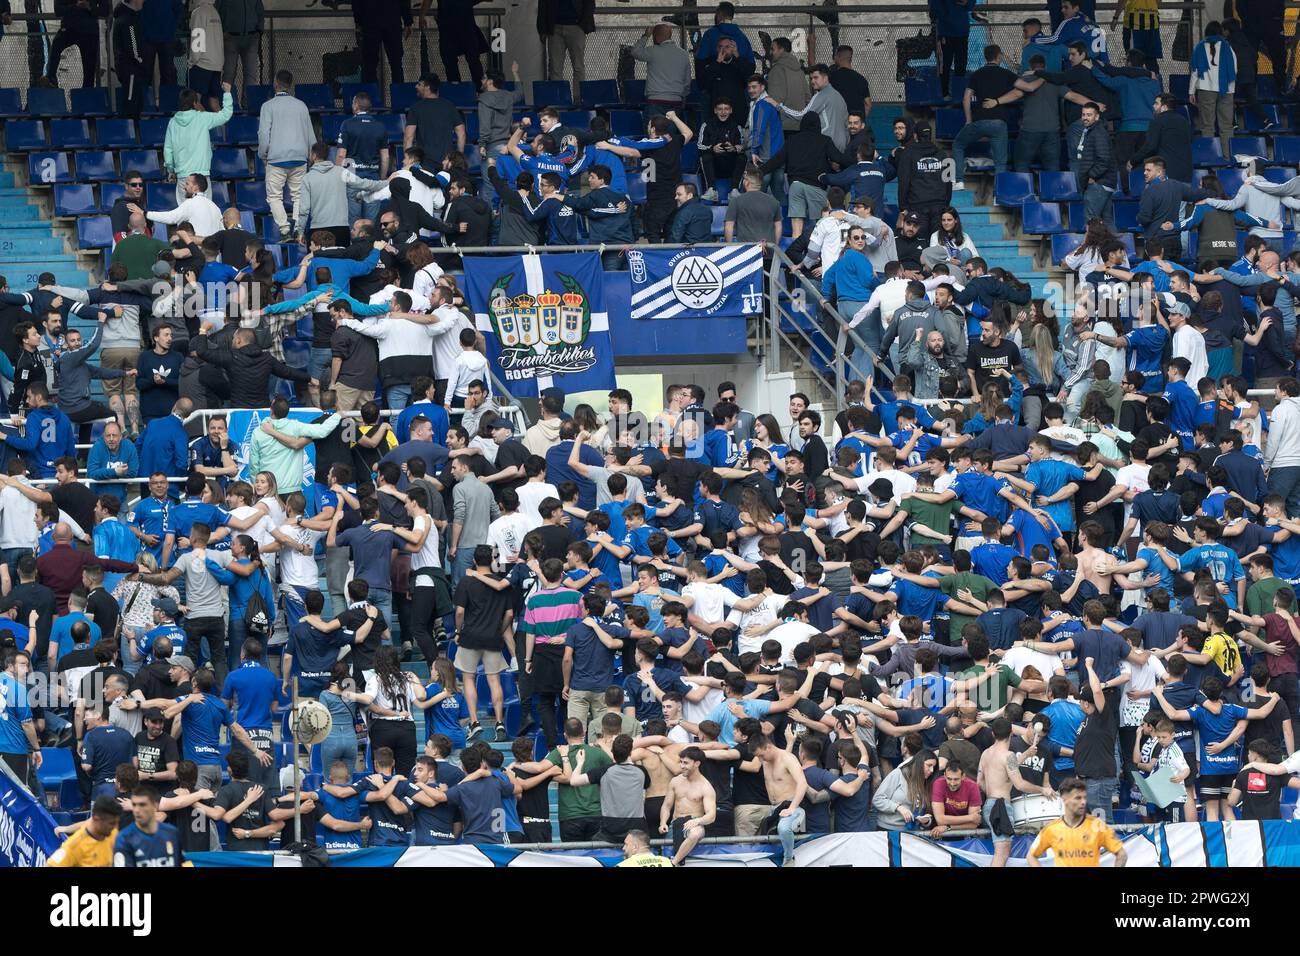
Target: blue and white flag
point(544, 320)
point(696, 283)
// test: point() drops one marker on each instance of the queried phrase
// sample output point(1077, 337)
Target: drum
point(1033, 811)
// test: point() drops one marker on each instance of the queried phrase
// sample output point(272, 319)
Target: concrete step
point(32, 246)
point(23, 273)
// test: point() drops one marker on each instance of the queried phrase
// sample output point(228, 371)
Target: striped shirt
point(1142, 14)
point(550, 612)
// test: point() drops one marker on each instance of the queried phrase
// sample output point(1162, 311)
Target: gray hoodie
point(495, 111)
point(75, 373)
point(284, 130)
point(324, 199)
point(786, 82)
point(915, 314)
point(667, 70)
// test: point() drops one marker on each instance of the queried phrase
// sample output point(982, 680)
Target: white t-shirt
point(531, 494)
point(1190, 344)
point(765, 613)
point(469, 366)
point(790, 635)
point(298, 569)
point(711, 601)
point(695, 711)
point(1018, 658)
point(506, 536)
point(903, 483)
point(261, 531)
point(427, 556)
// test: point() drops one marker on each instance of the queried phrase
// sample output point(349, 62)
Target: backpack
point(257, 616)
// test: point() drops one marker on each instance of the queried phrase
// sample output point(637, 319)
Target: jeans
point(1286, 482)
point(360, 207)
point(87, 45)
point(242, 48)
point(786, 828)
point(294, 607)
point(276, 177)
point(463, 561)
point(1101, 790)
point(1074, 400)
point(342, 747)
point(397, 397)
point(995, 131)
point(318, 365)
point(338, 564)
point(196, 629)
point(1041, 148)
point(383, 599)
point(566, 38)
point(952, 59)
point(1099, 203)
point(238, 633)
point(10, 557)
point(390, 39)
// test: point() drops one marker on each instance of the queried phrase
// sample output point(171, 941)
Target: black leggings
point(428, 605)
point(399, 736)
point(952, 59)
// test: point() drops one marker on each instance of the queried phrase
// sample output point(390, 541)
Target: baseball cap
point(167, 606)
point(162, 269)
point(911, 217)
point(180, 660)
point(505, 423)
point(155, 713)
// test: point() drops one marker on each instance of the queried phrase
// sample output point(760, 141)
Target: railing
point(301, 40)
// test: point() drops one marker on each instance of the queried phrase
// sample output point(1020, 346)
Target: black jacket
point(1170, 136)
point(1162, 201)
point(921, 178)
point(515, 229)
point(727, 80)
point(1091, 155)
point(249, 370)
point(806, 154)
point(477, 217)
point(82, 21)
point(546, 15)
point(126, 38)
point(381, 14)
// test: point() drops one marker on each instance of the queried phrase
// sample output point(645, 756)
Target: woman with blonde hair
point(135, 598)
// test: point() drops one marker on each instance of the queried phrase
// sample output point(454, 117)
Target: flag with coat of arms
point(544, 320)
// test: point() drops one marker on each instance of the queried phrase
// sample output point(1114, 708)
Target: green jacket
point(188, 145)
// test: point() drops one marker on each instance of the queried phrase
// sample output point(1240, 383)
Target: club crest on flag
point(541, 334)
point(696, 282)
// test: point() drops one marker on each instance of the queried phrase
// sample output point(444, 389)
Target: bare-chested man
point(786, 787)
point(999, 772)
point(691, 805)
point(659, 767)
point(1096, 564)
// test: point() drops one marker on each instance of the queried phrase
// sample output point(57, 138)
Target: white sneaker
point(710, 196)
point(958, 186)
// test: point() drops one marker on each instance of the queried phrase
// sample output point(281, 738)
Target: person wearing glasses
point(120, 216)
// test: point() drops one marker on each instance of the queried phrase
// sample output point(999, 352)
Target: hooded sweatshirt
point(786, 82)
point(207, 48)
point(921, 180)
point(915, 314)
point(1283, 448)
point(495, 111)
point(806, 155)
point(542, 435)
point(515, 227)
point(323, 201)
point(187, 147)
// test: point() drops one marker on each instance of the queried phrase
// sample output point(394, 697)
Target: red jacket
point(59, 569)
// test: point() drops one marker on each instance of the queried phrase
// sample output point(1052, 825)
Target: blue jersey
point(170, 631)
point(1066, 717)
point(1222, 561)
point(1145, 348)
point(187, 512)
point(899, 439)
point(983, 493)
point(715, 564)
point(915, 599)
point(1156, 566)
point(1215, 728)
point(113, 540)
point(1286, 556)
point(779, 452)
point(14, 712)
point(135, 848)
point(347, 809)
point(1029, 531)
point(636, 540)
point(607, 564)
point(1183, 406)
point(617, 526)
point(888, 413)
point(1049, 476)
point(253, 688)
point(150, 517)
point(445, 717)
point(991, 559)
point(716, 516)
point(201, 725)
point(204, 453)
point(387, 828)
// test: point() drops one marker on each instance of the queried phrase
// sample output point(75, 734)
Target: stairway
point(29, 242)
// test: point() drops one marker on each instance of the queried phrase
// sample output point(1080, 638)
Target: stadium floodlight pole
point(297, 770)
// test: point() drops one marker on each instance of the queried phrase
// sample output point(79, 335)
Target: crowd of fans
point(1037, 558)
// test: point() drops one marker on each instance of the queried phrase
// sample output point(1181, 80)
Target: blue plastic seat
point(922, 89)
point(1042, 218)
point(1279, 174)
point(598, 93)
point(94, 232)
point(70, 134)
point(46, 169)
point(352, 89)
point(1207, 151)
point(241, 131)
point(109, 193)
point(635, 189)
point(626, 123)
point(45, 101)
point(719, 217)
point(1231, 179)
point(220, 193)
point(463, 96)
point(297, 352)
point(1064, 243)
point(318, 97)
point(11, 103)
point(1058, 187)
point(1286, 149)
point(230, 163)
point(95, 166)
point(169, 99)
point(577, 118)
point(1126, 212)
point(75, 200)
point(56, 767)
point(1266, 118)
point(116, 133)
point(402, 97)
point(143, 161)
point(557, 93)
point(153, 131)
point(395, 127)
point(251, 196)
point(1014, 189)
point(948, 123)
point(161, 196)
point(1250, 146)
point(90, 102)
point(634, 93)
point(247, 221)
point(1179, 83)
point(330, 124)
point(255, 95)
point(1136, 183)
point(22, 136)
